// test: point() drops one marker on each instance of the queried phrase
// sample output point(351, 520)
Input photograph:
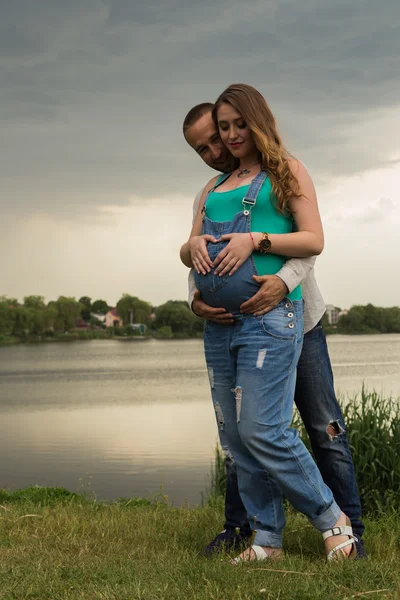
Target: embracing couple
point(264, 344)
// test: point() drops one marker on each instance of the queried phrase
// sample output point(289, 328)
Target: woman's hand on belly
point(234, 254)
point(199, 253)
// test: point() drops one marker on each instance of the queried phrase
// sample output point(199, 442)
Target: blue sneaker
point(361, 552)
point(226, 541)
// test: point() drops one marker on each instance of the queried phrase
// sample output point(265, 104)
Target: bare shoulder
point(207, 188)
point(297, 167)
point(201, 196)
point(302, 175)
point(211, 183)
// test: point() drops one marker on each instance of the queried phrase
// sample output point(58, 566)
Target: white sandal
point(342, 530)
point(260, 555)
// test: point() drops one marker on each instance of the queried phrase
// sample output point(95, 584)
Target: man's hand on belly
point(271, 293)
point(203, 310)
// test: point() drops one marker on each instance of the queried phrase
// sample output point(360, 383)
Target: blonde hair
point(273, 155)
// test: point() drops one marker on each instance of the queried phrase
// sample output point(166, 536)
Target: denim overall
point(252, 372)
point(230, 291)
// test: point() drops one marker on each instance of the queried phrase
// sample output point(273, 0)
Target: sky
point(97, 182)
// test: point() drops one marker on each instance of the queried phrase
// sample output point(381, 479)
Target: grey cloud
point(93, 93)
point(143, 12)
point(15, 43)
point(373, 212)
point(38, 31)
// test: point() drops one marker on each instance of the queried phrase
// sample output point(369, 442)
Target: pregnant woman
point(245, 227)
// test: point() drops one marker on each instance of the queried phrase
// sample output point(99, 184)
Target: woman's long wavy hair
point(273, 155)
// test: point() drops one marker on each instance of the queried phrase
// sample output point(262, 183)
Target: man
point(315, 395)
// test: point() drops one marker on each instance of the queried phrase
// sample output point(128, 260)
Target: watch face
point(265, 245)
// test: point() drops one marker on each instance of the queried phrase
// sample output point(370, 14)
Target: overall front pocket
point(280, 322)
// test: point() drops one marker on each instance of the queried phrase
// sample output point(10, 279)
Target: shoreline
point(76, 337)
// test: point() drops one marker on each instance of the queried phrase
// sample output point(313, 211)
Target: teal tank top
point(223, 206)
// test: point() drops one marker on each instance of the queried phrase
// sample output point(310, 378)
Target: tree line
point(35, 318)
point(367, 319)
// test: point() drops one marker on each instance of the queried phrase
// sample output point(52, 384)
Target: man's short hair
point(195, 114)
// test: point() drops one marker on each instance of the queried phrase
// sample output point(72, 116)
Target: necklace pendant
point(243, 173)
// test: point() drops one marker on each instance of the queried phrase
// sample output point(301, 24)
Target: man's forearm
point(192, 288)
point(295, 270)
point(185, 255)
point(191, 283)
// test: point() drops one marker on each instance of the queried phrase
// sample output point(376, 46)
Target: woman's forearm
point(299, 244)
point(185, 255)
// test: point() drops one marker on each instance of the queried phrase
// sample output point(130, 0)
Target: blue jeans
point(252, 370)
point(318, 407)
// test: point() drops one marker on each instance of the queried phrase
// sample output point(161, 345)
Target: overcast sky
point(97, 182)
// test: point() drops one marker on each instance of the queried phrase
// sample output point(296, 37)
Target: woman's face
point(234, 132)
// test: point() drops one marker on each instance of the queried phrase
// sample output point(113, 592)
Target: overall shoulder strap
point(250, 198)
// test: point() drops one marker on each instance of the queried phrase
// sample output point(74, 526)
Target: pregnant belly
point(228, 291)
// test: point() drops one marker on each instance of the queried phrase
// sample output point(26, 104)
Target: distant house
point(333, 314)
point(98, 316)
point(112, 319)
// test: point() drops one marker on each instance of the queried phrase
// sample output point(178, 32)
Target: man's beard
point(228, 164)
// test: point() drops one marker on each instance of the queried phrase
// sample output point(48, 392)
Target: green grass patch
point(40, 496)
point(58, 546)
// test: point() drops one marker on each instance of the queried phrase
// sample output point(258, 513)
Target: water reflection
point(121, 450)
point(124, 419)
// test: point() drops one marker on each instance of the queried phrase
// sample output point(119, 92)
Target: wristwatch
point(264, 245)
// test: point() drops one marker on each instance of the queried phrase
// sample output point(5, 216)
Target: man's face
point(204, 138)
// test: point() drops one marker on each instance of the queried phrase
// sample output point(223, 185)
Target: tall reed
point(373, 430)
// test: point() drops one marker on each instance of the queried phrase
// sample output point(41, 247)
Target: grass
point(55, 545)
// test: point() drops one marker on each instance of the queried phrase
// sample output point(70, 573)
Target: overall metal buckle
point(250, 202)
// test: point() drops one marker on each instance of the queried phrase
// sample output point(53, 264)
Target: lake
point(123, 419)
